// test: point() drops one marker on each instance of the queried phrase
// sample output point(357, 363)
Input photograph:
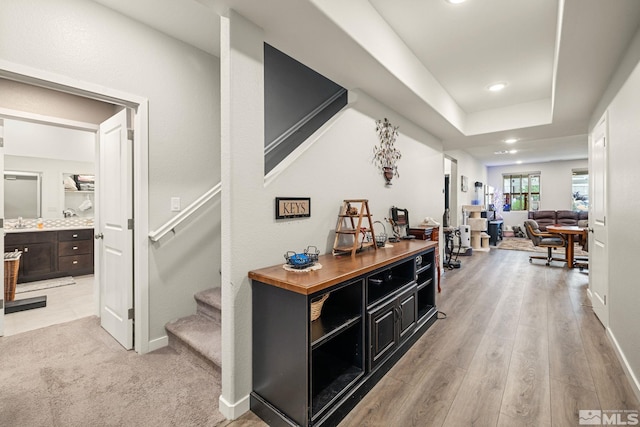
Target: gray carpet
point(75, 374)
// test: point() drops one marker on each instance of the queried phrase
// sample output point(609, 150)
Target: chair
point(544, 240)
point(582, 262)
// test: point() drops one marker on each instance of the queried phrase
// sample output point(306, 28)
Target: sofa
point(545, 218)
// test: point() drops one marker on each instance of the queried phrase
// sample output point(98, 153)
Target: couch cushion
point(543, 218)
point(567, 217)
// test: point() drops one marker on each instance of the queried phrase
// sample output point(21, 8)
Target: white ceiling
point(431, 60)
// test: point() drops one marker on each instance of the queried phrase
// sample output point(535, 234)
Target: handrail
point(186, 213)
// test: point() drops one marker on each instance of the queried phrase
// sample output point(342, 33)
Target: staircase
point(199, 336)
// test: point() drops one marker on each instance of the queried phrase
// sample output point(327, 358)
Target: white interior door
point(598, 249)
point(2, 302)
point(113, 232)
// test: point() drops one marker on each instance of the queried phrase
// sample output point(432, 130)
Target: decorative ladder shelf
point(352, 229)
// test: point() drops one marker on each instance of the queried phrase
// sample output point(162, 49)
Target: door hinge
point(1, 142)
point(1, 304)
point(130, 134)
point(130, 314)
point(1, 222)
point(130, 224)
point(605, 300)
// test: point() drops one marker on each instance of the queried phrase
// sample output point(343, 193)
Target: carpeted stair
point(199, 335)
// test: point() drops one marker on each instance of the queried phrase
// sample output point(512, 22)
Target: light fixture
point(513, 151)
point(519, 162)
point(455, 1)
point(496, 87)
point(510, 140)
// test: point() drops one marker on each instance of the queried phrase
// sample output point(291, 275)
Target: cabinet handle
point(26, 250)
point(75, 248)
point(75, 262)
point(74, 236)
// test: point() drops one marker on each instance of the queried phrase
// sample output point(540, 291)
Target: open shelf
point(322, 330)
point(336, 365)
point(383, 283)
point(423, 267)
point(340, 310)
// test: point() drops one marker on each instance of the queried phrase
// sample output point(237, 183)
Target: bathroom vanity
point(52, 251)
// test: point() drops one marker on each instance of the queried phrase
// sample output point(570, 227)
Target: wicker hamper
point(11, 266)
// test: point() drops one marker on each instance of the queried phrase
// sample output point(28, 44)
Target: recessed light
point(455, 1)
point(513, 151)
point(519, 162)
point(497, 87)
point(510, 140)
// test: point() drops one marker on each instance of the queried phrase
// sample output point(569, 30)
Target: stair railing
point(185, 214)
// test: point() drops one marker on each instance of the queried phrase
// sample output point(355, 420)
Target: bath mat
point(44, 284)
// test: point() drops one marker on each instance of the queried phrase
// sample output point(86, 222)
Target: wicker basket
point(11, 266)
point(316, 306)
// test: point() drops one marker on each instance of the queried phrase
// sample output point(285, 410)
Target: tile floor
point(64, 304)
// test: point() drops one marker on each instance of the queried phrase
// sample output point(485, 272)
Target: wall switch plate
point(175, 204)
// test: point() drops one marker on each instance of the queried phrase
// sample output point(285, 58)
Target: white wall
point(623, 176)
point(85, 41)
point(555, 185)
point(336, 166)
point(474, 171)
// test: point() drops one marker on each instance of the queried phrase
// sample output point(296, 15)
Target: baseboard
point(158, 343)
point(234, 411)
point(633, 380)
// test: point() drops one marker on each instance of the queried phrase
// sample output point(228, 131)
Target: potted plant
point(386, 154)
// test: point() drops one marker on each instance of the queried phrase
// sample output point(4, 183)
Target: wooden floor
point(520, 346)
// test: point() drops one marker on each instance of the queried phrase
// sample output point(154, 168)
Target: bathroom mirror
point(22, 194)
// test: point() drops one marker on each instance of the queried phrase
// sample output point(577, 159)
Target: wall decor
point(464, 183)
point(386, 155)
point(293, 207)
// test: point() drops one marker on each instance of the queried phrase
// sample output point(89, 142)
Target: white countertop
point(30, 224)
point(57, 228)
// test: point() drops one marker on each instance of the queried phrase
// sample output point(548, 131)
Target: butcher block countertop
point(337, 269)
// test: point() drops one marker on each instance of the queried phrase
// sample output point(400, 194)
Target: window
point(521, 192)
point(580, 190)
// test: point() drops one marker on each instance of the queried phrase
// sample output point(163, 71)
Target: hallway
point(520, 346)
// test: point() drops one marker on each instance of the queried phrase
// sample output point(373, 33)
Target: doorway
point(139, 109)
point(49, 176)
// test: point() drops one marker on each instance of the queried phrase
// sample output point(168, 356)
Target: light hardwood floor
point(520, 347)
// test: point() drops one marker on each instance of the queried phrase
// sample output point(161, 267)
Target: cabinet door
point(38, 259)
point(408, 312)
point(383, 335)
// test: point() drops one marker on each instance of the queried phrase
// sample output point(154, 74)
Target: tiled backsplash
point(49, 223)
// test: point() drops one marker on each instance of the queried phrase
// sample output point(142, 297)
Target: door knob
point(98, 236)
point(591, 230)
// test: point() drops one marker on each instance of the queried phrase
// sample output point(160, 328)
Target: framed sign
point(293, 207)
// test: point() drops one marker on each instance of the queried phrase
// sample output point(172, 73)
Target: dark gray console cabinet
point(312, 373)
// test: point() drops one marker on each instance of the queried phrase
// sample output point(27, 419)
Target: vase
point(388, 175)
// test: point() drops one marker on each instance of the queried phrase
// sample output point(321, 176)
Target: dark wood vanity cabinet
point(51, 254)
point(75, 252)
point(312, 373)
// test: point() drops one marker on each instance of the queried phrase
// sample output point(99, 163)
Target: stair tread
point(200, 333)
point(211, 296)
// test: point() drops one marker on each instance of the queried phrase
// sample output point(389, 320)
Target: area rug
point(44, 284)
point(524, 244)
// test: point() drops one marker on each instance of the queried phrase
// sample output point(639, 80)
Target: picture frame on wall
point(464, 183)
point(293, 207)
